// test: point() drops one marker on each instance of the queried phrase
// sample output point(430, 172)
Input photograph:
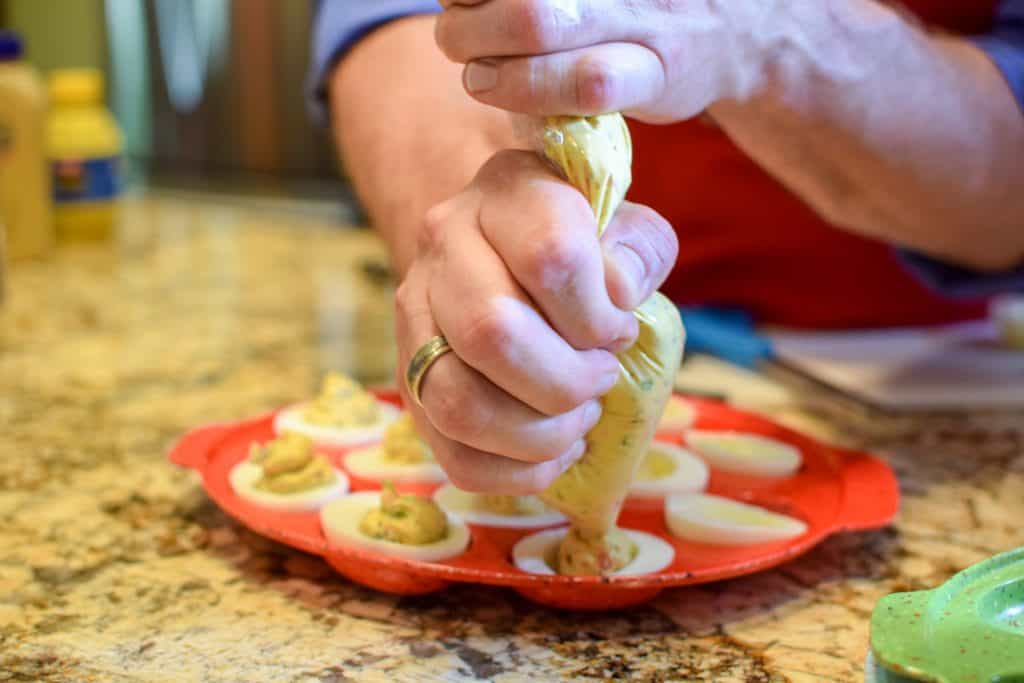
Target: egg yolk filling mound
point(342, 402)
point(291, 465)
point(405, 519)
point(403, 445)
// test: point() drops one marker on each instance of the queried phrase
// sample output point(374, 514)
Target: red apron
point(745, 241)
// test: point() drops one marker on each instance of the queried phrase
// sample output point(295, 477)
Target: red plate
point(835, 490)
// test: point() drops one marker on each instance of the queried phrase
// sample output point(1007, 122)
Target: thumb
point(640, 249)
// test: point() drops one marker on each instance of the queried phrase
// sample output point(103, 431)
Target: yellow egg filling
point(290, 465)
point(342, 402)
point(405, 519)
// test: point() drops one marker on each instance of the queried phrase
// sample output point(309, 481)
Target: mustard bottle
point(84, 145)
point(25, 205)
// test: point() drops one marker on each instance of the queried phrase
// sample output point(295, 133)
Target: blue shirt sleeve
point(962, 283)
point(339, 24)
point(1004, 45)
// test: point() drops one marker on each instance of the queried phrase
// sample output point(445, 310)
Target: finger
point(584, 82)
point(499, 28)
point(491, 324)
point(547, 236)
point(473, 470)
point(640, 249)
point(467, 408)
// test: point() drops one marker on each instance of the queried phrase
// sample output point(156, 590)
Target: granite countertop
point(114, 566)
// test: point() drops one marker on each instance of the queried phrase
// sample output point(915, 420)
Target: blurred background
point(205, 91)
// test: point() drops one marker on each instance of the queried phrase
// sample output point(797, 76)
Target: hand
point(655, 60)
point(511, 272)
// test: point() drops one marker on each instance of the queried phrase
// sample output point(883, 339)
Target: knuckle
point(499, 166)
point(553, 258)
point(593, 333)
point(403, 301)
point(534, 24)
point(456, 414)
point(565, 397)
point(597, 85)
point(432, 228)
point(487, 334)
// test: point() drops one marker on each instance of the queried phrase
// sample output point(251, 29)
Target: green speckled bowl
point(969, 630)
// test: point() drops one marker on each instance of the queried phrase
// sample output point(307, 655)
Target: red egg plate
point(835, 490)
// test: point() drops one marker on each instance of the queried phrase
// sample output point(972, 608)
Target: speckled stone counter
point(115, 567)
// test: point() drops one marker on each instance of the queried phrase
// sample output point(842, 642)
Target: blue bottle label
point(86, 180)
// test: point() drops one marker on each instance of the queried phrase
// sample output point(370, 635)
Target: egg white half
point(468, 507)
point(679, 414)
point(290, 420)
point(690, 474)
point(369, 463)
point(534, 553)
point(721, 521)
point(744, 453)
point(243, 478)
point(340, 521)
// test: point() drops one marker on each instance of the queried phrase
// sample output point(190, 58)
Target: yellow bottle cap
point(76, 86)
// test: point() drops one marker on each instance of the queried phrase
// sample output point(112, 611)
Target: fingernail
point(591, 414)
point(480, 76)
point(631, 268)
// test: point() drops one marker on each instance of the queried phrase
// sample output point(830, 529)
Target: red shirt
point(745, 241)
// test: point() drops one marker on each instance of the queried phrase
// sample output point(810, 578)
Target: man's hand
point(883, 128)
point(511, 272)
point(655, 60)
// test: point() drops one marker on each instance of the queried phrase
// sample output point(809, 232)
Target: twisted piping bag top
point(594, 154)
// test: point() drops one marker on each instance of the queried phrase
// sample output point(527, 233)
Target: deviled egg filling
point(406, 519)
point(287, 473)
point(621, 552)
point(403, 457)
point(403, 445)
point(405, 526)
point(602, 555)
point(342, 402)
point(290, 465)
point(342, 414)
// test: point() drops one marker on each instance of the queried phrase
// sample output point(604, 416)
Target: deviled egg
point(401, 525)
point(402, 457)
point(632, 553)
point(721, 521)
point(743, 453)
point(668, 469)
point(343, 414)
point(679, 415)
point(287, 474)
point(497, 511)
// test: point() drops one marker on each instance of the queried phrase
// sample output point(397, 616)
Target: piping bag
point(594, 154)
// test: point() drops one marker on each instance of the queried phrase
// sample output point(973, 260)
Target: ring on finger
point(425, 356)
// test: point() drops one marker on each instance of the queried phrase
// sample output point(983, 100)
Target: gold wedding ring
point(421, 362)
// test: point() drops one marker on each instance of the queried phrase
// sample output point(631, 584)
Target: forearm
point(900, 135)
point(407, 133)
